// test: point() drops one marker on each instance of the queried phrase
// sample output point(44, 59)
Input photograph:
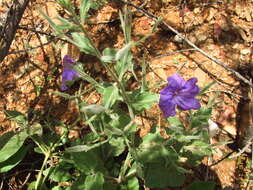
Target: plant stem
point(99, 55)
point(48, 153)
point(131, 174)
point(124, 168)
point(122, 89)
point(38, 184)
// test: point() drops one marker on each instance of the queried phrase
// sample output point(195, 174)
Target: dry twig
point(29, 49)
point(244, 149)
point(173, 53)
point(42, 33)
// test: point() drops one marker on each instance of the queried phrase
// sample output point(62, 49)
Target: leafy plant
point(111, 155)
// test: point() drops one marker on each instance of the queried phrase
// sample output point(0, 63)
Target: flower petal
point(176, 81)
point(67, 75)
point(167, 105)
point(190, 88)
point(187, 103)
point(168, 91)
point(64, 87)
point(68, 59)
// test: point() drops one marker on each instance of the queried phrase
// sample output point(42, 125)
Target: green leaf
point(200, 185)
point(66, 4)
point(57, 188)
point(37, 90)
point(84, 8)
point(35, 128)
point(79, 69)
point(143, 100)
point(14, 160)
point(200, 117)
point(124, 65)
point(92, 109)
point(187, 138)
point(17, 117)
point(45, 142)
point(117, 146)
point(59, 173)
point(38, 150)
point(124, 51)
point(65, 25)
point(110, 130)
point(199, 148)
point(126, 24)
point(132, 184)
point(94, 182)
point(153, 150)
point(52, 23)
point(108, 55)
point(90, 138)
point(64, 95)
point(110, 95)
point(81, 148)
point(87, 162)
point(79, 184)
point(124, 55)
point(206, 87)
point(119, 120)
point(5, 138)
point(160, 176)
point(13, 145)
point(32, 186)
point(109, 186)
point(174, 121)
point(13, 142)
point(83, 43)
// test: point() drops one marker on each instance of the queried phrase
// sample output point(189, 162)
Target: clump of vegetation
point(112, 155)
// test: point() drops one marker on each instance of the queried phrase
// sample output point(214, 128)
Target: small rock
point(213, 128)
point(178, 39)
point(245, 51)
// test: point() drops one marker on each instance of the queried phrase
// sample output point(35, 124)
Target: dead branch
point(173, 53)
point(146, 13)
point(8, 31)
point(244, 149)
point(29, 49)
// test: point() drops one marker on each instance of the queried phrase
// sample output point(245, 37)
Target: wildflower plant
point(112, 156)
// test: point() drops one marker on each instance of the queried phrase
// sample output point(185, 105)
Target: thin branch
point(173, 53)
point(211, 75)
point(227, 92)
point(219, 161)
point(26, 180)
point(244, 149)
point(29, 49)
point(146, 13)
point(41, 32)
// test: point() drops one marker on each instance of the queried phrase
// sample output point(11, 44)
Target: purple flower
point(178, 93)
point(68, 73)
